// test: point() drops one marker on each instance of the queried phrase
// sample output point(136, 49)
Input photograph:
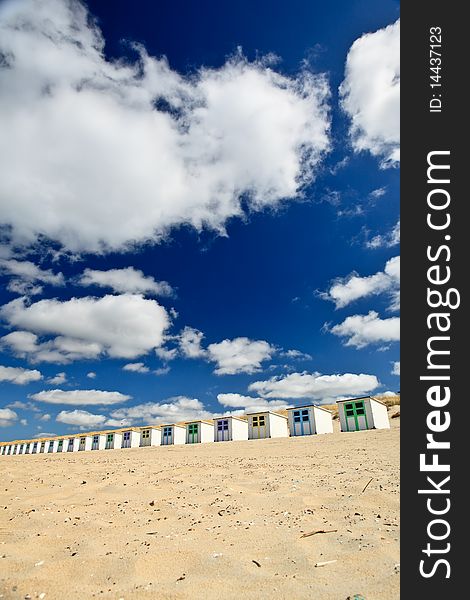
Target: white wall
point(323, 421)
point(206, 432)
point(239, 429)
point(179, 434)
point(278, 426)
point(380, 415)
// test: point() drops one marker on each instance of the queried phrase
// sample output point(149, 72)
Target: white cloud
point(45, 434)
point(248, 403)
point(7, 417)
point(124, 326)
point(173, 410)
point(190, 343)
point(344, 291)
point(18, 375)
point(378, 193)
point(296, 355)
point(24, 406)
point(23, 422)
point(59, 379)
point(25, 276)
point(128, 280)
point(91, 375)
point(138, 367)
point(388, 240)
point(80, 397)
point(166, 354)
point(238, 131)
point(396, 368)
point(240, 355)
point(82, 418)
point(315, 386)
point(362, 330)
point(46, 417)
point(370, 93)
point(162, 370)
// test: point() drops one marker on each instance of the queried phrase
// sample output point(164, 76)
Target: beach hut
point(309, 420)
point(266, 424)
point(27, 448)
point(230, 428)
point(84, 443)
point(61, 445)
point(150, 436)
point(113, 440)
point(363, 413)
point(98, 441)
point(42, 447)
point(173, 434)
point(34, 448)
point(198, 432)
point(4, 449)
point(130, 438)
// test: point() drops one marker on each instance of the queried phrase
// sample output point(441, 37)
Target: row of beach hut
point(354, 415)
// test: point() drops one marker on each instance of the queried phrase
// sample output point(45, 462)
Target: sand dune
point(205, 521)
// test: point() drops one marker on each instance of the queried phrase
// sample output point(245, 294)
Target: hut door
point(126, 439)
point(95, 442)
point(82, 444)
point(355, 415)
point(146, 437)
point(109, 441)
point(167, 437)
point(302, 424)
point(259, 427)
point(222, 430)
point(193, 433)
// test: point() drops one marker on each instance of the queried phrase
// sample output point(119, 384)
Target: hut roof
point(309, 406)
point(271, 412)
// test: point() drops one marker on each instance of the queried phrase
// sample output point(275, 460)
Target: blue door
point(167, 437)
point(126, 439)
point(301, 421)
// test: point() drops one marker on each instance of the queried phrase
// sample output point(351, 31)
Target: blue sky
point(212, 232)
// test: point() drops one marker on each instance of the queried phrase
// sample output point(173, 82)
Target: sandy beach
point(206, 521)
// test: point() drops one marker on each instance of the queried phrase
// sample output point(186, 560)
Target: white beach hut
point(363, 413)
point(309, 420)
point(4, 449)
point(113, 440)
point(230, 428)
point(98, 440)
point(35, 447)
point(71, 444)
point(130, 438)
point(61, 444)
point(84, 443)
point(150, 436)
point(27, 448)
point(266, 424)
point(173, 434)
point(198, 432)
point(50, 445)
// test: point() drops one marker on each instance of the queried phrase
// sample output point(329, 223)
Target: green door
point(193, 437)
point(355, 416)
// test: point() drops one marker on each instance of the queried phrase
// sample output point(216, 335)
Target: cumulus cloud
point(124, 326)
point(46, 417)
point(396, 368)
point(91, 375)
point(248, 403)
point(344, 291)
point(24, 405)
point(23, 422)
point(138, 367)
point(240, 355)
point(58, 379)
point(128, 280)
point(7, 417)
point(80, 397)
point(387, 240)
point(81, 418)
point(190, 343)
point(172, 410)
point(370, 93)
point(314, 386)
point(162, 148)
point(25, 275)
point(362, 330)
point(18, 375)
